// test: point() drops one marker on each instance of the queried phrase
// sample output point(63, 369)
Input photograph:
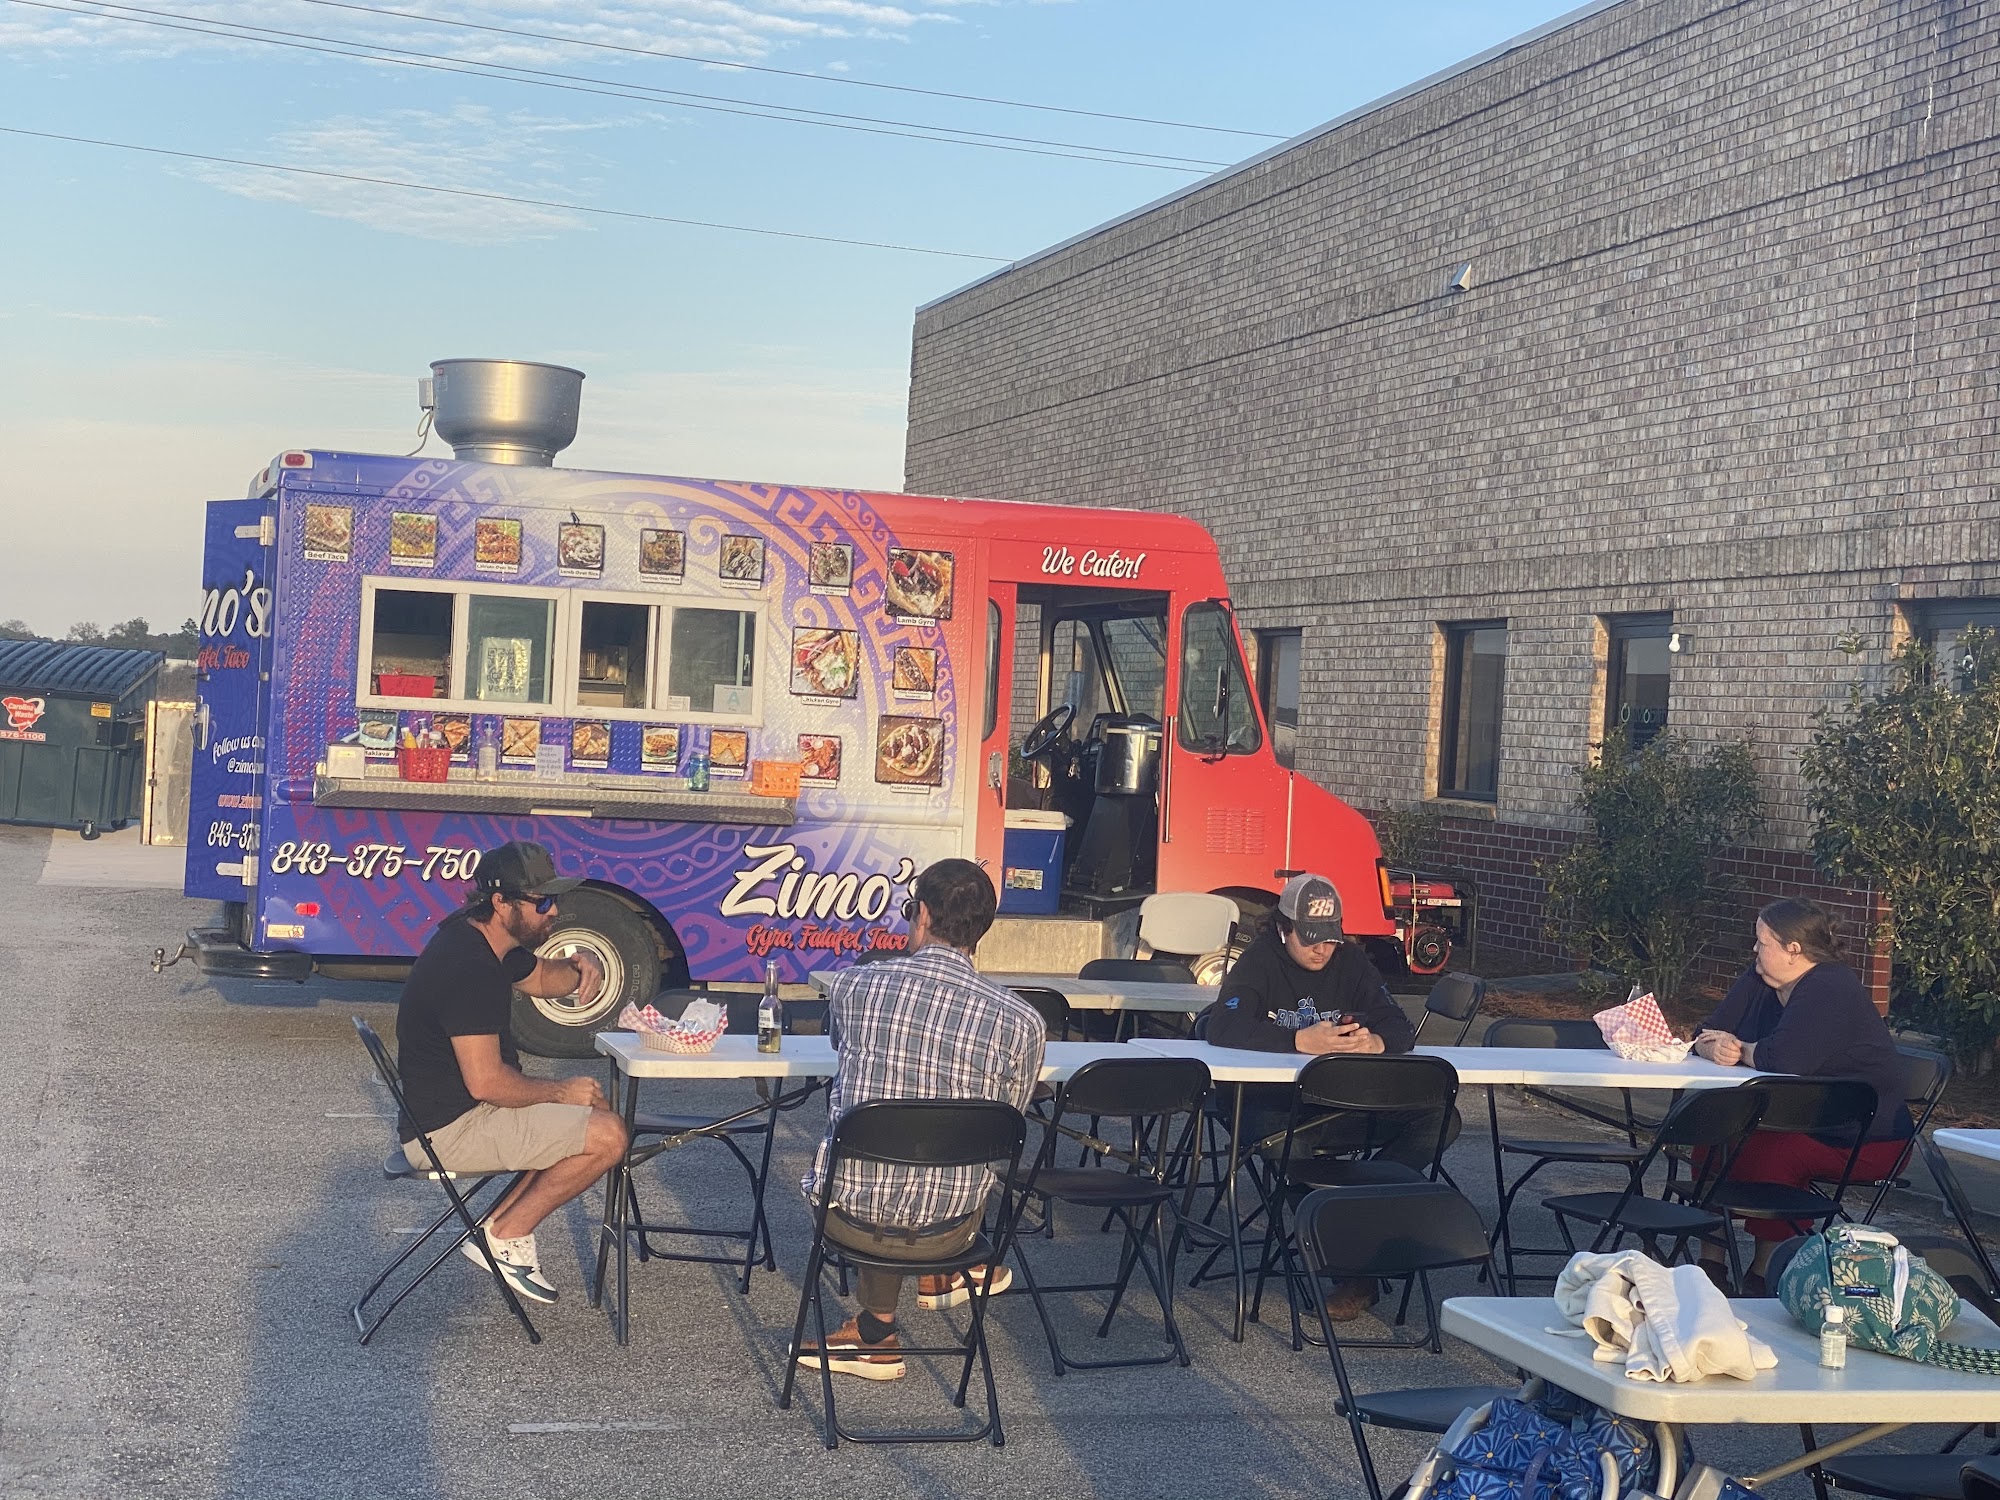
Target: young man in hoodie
point(1301, 987)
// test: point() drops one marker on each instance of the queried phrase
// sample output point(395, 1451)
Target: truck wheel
point(622, 942)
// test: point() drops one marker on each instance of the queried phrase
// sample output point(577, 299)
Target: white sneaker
point(519, 1262)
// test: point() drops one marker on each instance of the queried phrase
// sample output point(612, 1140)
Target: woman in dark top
point(1800, 1009)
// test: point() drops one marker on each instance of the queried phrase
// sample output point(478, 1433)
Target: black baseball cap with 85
point(521, 869)
point(1312, 906)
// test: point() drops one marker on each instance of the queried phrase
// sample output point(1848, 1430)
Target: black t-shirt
point(456, 988)
point(1266, 998)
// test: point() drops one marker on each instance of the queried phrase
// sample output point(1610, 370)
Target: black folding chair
point(1709, 1126)
point(1799, 1106)
point(1161, 1099)
point(1936, 1163)
point(1366, 1087)
point(1980, 1479)
point(1137, 970)
point(928, 1135)
point(1393, 1230)
point(1926, 1075)
point(1578, 1036)
point(1057, 1017)
point(1454, 1000)
point(397, 1166)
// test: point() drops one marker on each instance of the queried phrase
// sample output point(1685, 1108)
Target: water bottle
point(770, 1012)
point(487, 752)
point(1833, 1338)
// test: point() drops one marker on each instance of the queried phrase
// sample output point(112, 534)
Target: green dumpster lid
point(67, 667)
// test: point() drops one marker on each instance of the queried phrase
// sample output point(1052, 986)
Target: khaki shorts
point(487, 1138)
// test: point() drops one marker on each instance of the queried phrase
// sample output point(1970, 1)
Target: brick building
point(1721, 374)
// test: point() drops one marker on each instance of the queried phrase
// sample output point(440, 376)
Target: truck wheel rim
point(565, 1010)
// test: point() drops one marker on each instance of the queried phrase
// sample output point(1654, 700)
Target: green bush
point(1905, 790)
point(1634, 894)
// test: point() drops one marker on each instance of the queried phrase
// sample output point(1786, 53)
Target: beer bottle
point(770, 1012)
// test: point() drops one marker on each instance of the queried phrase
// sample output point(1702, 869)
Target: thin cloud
point(469, 147)
point(742, 30)
point(137, 320)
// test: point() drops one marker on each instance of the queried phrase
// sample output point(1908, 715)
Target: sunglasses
point(910, 905)
point(543, 904)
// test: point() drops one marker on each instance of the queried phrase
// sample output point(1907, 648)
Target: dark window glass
point(712, 650)
point(1213, 683)
point(992, 669)
point(1635, 690)
point(611, 655)
point(1278, 687)
point(1076, 674)
point(1944, 625)
point(412, 644)
point(1475, 676)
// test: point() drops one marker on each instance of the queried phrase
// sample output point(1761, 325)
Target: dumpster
point(73, 739)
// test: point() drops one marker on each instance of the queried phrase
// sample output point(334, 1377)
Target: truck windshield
point(1109, 664)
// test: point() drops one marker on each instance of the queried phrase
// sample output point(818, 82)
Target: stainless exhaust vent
point(504, 411)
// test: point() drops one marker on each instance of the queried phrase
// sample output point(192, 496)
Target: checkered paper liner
point(699, 1028)
point(1638, 1031)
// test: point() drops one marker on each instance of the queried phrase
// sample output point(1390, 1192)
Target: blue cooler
point(1032, 861)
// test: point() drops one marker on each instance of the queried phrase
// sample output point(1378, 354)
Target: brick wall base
point(1503, 861)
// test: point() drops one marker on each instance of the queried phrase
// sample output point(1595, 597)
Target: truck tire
point(619, 939)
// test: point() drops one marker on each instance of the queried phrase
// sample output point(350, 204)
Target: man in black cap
point(462, 1077)
point(1301, 987)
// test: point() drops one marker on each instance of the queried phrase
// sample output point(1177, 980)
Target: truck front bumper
point(215, 951)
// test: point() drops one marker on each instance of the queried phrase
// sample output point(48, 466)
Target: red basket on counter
point(423, 764)
point(406, 685)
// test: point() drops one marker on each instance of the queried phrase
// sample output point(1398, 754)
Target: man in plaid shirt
point(921, 1026)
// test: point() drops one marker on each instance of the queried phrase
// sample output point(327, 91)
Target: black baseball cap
point(521, 869)
point(1312, 906)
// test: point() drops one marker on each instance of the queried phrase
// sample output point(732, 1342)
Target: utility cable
point(431, 187)
point(724, 62)
point(583, 84)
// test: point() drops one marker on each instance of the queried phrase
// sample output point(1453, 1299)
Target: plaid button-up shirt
point(925, 1026)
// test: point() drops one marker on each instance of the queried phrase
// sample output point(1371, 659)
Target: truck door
point(998, 687)
point(226, 791)
point(1223, 813)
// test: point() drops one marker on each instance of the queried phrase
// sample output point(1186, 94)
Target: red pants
point(1795, 1161)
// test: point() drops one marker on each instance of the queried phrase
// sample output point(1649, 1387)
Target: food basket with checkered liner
point(696, 1029)
point(1638, 1031)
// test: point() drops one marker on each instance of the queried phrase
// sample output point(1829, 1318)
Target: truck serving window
point(507, 642)
point(712, 660)
point(410, 652)
point(614, 650)
point(1217, 714)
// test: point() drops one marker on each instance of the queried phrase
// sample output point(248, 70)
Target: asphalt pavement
point(194, 1198)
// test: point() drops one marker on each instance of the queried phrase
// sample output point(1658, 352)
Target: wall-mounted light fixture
point(1461, 279)
point(1678, 642)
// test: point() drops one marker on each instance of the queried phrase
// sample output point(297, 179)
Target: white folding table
point(804, 1058)
point(1488, 1066)
point(1981, 1145)
point(1121, 996)
point(1876, 1389)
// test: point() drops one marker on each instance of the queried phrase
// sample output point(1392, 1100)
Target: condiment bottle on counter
point(487, 752)
point(770, 1012)
point(1833, 1337)
point(698, 767)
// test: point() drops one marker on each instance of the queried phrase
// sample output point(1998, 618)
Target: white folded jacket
point(1665, 1324)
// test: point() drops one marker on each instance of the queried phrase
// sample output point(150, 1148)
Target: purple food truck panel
point(601, 630)
point(226, 793)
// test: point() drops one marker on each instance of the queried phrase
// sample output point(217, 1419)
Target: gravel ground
point(196, 1199)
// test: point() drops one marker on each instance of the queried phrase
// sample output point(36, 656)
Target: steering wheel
point(1048, 732)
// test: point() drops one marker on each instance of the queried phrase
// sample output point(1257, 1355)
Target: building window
point(1475, 673)
point(1944, 623)
point(1278, 688)
point(1635, 688)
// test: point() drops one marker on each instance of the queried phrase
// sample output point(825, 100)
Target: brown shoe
point(1351, 1298)
point(848, 1354)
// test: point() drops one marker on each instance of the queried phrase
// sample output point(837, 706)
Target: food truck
point(404, 661)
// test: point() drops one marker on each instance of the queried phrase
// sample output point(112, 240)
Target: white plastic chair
point(1189, 922)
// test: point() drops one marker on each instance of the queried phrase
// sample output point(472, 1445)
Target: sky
point(168, 324)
